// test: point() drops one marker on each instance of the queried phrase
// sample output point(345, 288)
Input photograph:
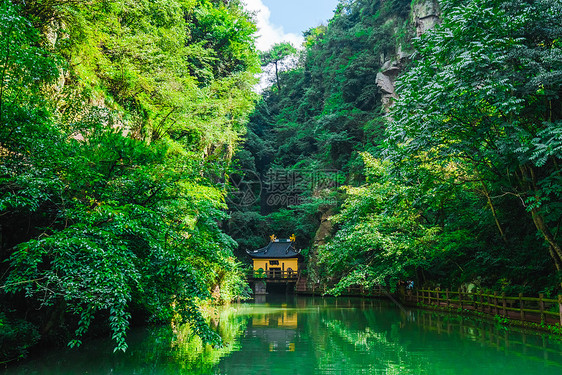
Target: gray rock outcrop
point(425, 15)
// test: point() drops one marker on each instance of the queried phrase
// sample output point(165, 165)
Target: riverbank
point(539, 313)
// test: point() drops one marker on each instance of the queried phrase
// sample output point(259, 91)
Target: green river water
point(313, 335)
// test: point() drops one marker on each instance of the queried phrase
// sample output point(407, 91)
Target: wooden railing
point(354, 290)
point(274, 274)
point(530, 309)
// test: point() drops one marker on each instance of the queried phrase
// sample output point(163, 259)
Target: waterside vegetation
point(118, 124)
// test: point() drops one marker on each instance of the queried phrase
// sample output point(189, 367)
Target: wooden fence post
point(460, 298)
point(429, 296)
point(417, 296)
point(447, 296)
point(479, 305)
point(504, 303)
point(541, 306)
point(560, 308)
point(496, 311)
point(521, 312)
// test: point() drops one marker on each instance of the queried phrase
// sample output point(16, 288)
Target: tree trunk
point(555, 249)
point(502, 234)
point(277, 77)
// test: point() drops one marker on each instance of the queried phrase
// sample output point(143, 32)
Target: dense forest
point(405, 153)
point(404, 140)
point(118, 124)
point(307, 133)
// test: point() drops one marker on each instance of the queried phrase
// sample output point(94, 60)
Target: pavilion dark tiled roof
point(275, 249)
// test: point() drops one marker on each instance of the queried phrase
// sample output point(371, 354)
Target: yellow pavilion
point(279, 259)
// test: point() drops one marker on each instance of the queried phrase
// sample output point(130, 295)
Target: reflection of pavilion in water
point(278, 330)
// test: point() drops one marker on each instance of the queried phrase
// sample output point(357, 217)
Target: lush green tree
point(275, 56)
point(483, 99)
point(119, 121)
point(381, 238)
point(471, 150)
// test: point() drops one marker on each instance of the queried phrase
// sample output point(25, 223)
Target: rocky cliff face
point(425, 14)
point(387, 76)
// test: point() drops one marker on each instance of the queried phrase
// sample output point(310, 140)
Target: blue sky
point(297, 16)
point(285, 20)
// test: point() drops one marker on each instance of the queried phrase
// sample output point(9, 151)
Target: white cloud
point(268, 33)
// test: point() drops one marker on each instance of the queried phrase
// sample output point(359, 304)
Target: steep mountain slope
point(458, 183)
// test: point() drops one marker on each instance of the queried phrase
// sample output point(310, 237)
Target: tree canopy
point(118, 124)
point(471, 149)
point(458, 183)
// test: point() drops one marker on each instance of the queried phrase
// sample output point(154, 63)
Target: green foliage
point(471, 162)
point(173, 66)
point(25, 69)
point(17, 337)
point(380, 237)
point(313, 125)
point(314, 35)
point(118, 124)
point(482, 100)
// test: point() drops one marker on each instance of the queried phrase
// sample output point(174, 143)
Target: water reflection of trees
point(360, 337)
point(152, 350)
point(351, 336)
point(373, 336)
point(316, 336)
point(529, 345)
point(187, 354)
